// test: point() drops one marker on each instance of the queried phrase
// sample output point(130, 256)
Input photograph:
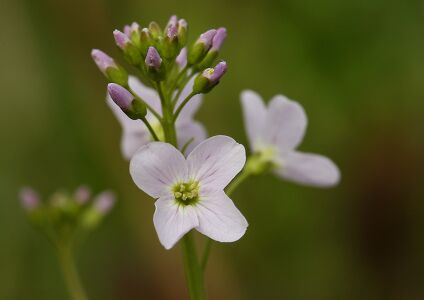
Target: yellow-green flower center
point(186, 193)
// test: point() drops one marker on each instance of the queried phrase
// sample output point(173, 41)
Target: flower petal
point(173, 221)
point(190, 130)
point(285, 123)
point(134, 134)
point(220, 219)
point(132, 140)
point(192, 106)
point(148, 95)
point(254, 113)
point(309, 169)
point(156, 166)
point(215, 162)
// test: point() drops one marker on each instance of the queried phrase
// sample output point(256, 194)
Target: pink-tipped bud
point(217, 72)
point(219, 38)
point(104, 202)
point(153, 59)
point(201, 47)
point(121, 96)
point(182, 58)
point(82, 194)
point(29, 199)
point(172, 32)
point(127, 30)
point(207, 37)
point(121, 39)
point(102, 60)
point(209, 78)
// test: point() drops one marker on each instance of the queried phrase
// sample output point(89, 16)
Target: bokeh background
point(356, 66)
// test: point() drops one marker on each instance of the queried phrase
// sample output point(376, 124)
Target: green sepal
point(132, 54)
point(208, 60)
point(117, 75)
point(196, 53)
point(137, 111)
point(155, 30)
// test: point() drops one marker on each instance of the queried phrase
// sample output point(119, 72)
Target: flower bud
point(112, 71)
point(133, 108)
point(135, 34)
point(130, 51)
point(29, 199)
point(154, 65)
point(155, 30)
point(170, 46)
point(181, 59)
point(209, 78)
point(82, 194)
point(182, 32)
point(212, 54)
point(218, 39)
point(171, 23)
point(201, 47)
point(127, 30)
point(146, 41)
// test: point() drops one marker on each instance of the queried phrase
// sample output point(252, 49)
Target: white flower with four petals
point(190, 191)
point(274, 132)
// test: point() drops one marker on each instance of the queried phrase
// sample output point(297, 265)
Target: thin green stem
point(70, 273)
point(229, 190)
point(150, 128)
point(242, 176)
point(180, 108)
point(193, 271)
point(168, 119)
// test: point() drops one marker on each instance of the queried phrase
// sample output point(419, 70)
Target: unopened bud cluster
point(63, 214)
point(162, 55)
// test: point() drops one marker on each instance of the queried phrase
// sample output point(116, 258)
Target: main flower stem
point(168, 118)
point(245, 173)
point(70, 273)
point(193, 271)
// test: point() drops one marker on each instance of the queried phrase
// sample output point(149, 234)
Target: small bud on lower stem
point(133, 108)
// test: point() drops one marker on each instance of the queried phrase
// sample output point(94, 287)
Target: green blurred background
point(356, 66)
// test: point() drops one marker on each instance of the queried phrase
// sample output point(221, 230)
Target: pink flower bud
point(121, 39)
point(207, 37)
point(153, 59)
point(121, 96)
point(102, 60)
point(219, 38)
point(216, 73)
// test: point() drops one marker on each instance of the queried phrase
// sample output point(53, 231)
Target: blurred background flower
point(356, 67)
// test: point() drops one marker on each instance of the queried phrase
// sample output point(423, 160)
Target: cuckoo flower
point(135, 134)
point(274, 133)
point(190, 192)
